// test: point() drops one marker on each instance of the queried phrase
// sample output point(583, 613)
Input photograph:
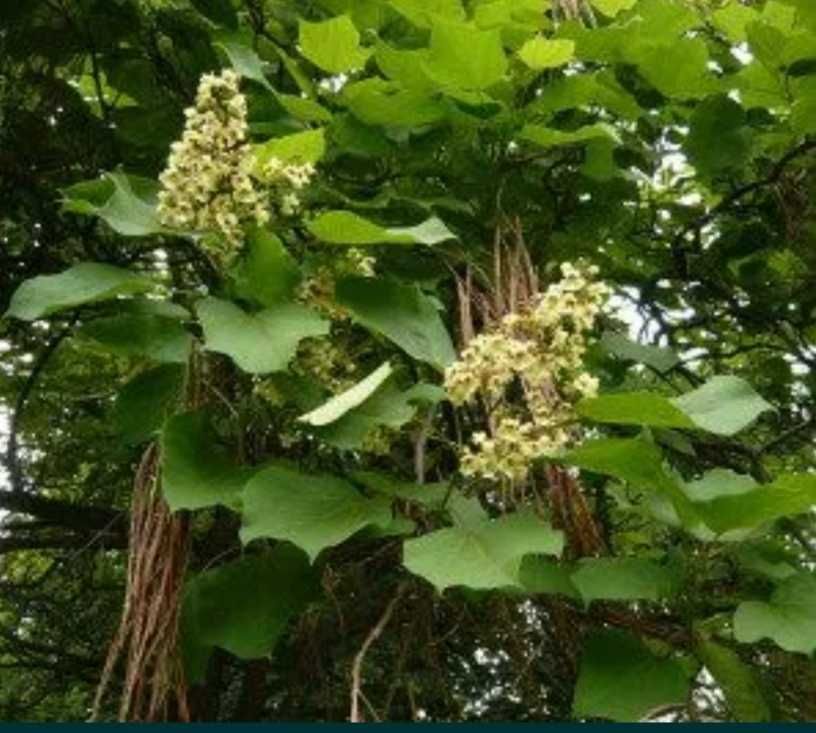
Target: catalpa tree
point(408, 360)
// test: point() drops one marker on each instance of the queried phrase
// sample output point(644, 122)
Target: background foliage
point(669, 142)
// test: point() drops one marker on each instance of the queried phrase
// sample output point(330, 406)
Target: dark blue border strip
point(404, 727)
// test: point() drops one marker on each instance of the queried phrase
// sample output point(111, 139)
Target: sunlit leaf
point(260, 342)
point(788, 618)
point(465, 57)
point(333, 45)
point(723, 405)
point(345, 227)
point(482, 555)
point(86, 283)
point(541, 53)
point(339, 405)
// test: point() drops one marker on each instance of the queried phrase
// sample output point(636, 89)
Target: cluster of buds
point(317, 290)
point(541, 351)
point(286, 180)
point(327, 363)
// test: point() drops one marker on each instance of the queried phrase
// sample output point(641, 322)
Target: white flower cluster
point(542, 351)
point(211, 183)
point(286, 180)
point(207, 185)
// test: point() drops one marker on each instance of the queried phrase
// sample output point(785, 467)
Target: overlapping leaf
point(788, 618)
point(197, 469)
point(244, 606)
point(402, 313)
point(482, 555)
point(260, 342)
point(312, 511)
point(620, 679)
point(345, 227)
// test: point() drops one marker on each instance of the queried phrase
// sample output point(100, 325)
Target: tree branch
point(12, 459)
point(749, 188)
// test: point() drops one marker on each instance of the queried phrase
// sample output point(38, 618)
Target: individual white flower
point(586, 385)
point(290, 203)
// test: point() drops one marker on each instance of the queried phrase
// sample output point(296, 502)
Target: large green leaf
point(404, 66)
point(623, 579)
point(243, 58)
point(425, 13)
point(127, 213)
point(743, 507)
point(717, 483)
point(465, 57)
point(376, 101)
point(540, 53)
point(144, 403)
point(431, 495)
point(82, 284)
point(718, 137)
point(678, 69)
point(548, 137)
point(545, 575)
point(153, 337)
point(244, 606)
point(620, 679)
point(788, 618)
point(635, 408)
point(312, 511)
point(635, 461)
point(723, 405)
point(267, 273)
point(298, 148)
point(741, 686)
point(481, 555)
point(344, 227)
point(197, 470)
point(333, 45)
point(638, 463)
point(126, 203)
point(261, 342)
point(303, 108)
point(733, 20)
point(402, 313)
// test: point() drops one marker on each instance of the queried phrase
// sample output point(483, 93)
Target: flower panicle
point(212, 182)
point(542, 349)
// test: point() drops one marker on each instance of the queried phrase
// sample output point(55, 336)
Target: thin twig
point(357, 667)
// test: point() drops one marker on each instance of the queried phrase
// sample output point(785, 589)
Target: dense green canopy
point(237, 307)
